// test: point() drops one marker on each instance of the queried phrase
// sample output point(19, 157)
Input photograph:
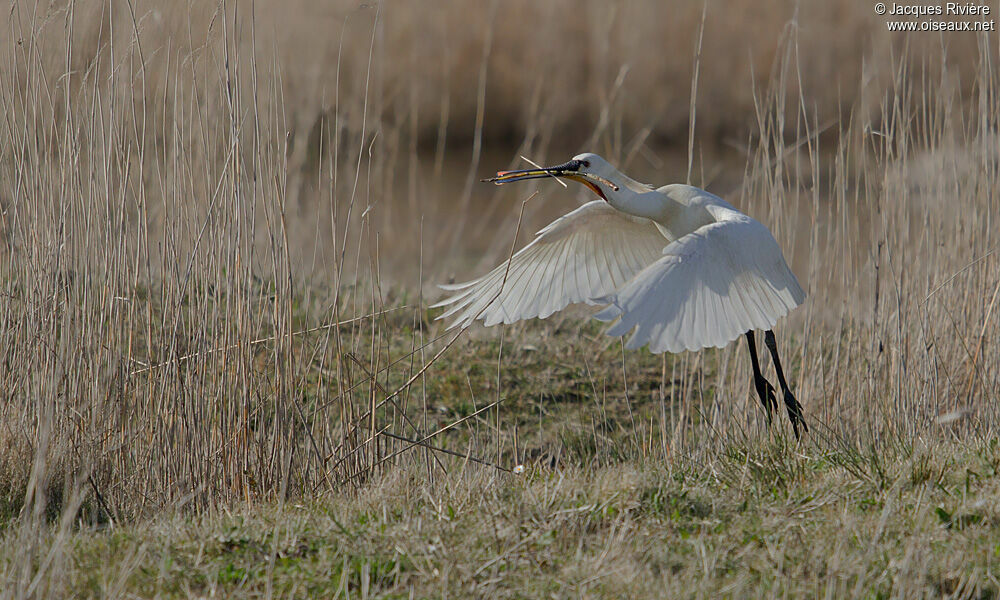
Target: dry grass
point(219, 230)
point(747, 527)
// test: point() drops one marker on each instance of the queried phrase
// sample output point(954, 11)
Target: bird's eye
point(586, 163)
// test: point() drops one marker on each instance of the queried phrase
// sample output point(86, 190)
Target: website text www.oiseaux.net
point(959, 16)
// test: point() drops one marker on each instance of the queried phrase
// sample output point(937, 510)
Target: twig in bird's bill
point(538, 166)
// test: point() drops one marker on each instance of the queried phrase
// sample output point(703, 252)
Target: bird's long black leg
point(793, 406)
point(765, 391)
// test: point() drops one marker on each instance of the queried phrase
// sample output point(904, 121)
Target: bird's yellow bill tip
point(503, 177)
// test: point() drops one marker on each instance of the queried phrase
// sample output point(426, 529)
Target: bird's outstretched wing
point(707, 289)
point(585, 254)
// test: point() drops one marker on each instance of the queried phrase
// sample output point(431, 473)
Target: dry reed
point(219, 229)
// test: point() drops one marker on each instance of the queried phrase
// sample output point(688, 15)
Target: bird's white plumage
point(679, 267)
point(708, 288)
point(588, 253)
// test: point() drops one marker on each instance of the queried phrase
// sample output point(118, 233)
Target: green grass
point(761, 520)
point(599, 511)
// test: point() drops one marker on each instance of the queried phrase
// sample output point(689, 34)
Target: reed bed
point(222, 225)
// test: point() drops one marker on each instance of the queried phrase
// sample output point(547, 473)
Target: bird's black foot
point(765, 391)
point(793, 406)
point(794, 412)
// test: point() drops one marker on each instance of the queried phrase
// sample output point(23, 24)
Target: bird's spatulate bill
point(568, 169)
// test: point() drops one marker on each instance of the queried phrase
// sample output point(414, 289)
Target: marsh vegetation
point(222, 225)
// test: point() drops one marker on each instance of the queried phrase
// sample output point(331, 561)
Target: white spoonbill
point(679, 267)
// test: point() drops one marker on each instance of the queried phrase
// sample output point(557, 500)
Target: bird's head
point(587, 168)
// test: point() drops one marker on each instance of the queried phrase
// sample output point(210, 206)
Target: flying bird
point(678, 267)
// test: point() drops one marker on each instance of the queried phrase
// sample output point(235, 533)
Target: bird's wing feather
point(707, 289)
point(585, 254)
